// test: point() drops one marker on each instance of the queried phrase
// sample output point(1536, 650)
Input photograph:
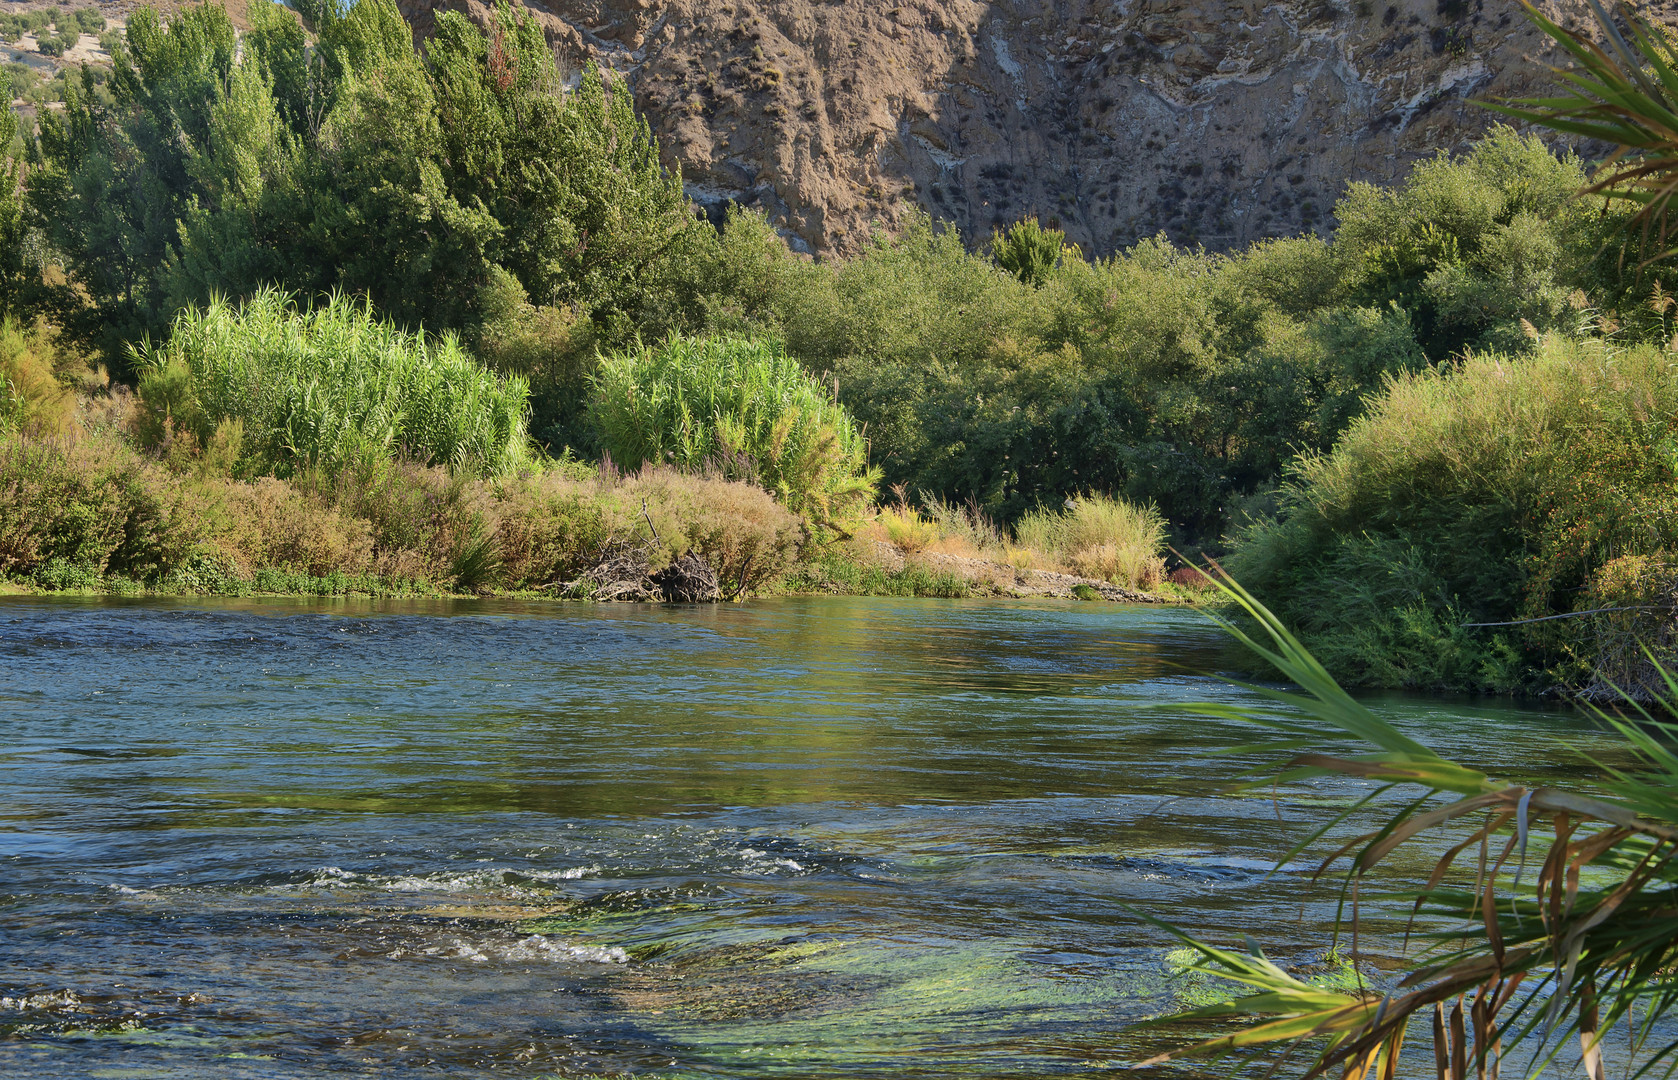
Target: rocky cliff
point(1216, 121)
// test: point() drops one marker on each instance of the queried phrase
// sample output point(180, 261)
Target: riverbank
point(839, 574)
point(88, 512)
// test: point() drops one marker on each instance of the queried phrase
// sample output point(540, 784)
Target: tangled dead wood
point(622, 572)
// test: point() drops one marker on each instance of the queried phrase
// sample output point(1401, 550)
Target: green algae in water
point(869, 1006)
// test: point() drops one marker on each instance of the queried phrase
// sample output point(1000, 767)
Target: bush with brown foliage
point(95, 506)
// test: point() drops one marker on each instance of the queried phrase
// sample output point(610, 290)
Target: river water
point(807, 837)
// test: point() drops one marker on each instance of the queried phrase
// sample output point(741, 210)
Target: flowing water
point(801, 838)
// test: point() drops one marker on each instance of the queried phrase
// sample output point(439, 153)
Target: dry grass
point(97, 506)
point(1097, 536)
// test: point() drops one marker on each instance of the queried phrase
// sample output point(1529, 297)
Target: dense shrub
point(1186, 379)
point(553, 348)
point(92, 505)
point(1172, 377)
point(330, 388)
point(742, 406)
point(1473, 245)
point(1493, 491)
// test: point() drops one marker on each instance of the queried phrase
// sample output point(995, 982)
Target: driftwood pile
point(623, 572)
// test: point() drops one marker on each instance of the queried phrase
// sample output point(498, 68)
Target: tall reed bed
point(331, 387)
point(744, 406)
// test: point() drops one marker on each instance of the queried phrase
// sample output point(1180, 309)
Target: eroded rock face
point(1216, 121)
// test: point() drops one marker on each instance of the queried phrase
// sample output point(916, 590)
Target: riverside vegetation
point(1456, 411)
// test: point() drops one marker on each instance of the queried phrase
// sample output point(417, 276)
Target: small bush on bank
point(330, 388)
point(551, 526)
point(87, 504)
point(1494, 491)
point(905, 529)
point(1100, 537)
point(742, 406)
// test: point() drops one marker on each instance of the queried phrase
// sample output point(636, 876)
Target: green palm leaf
point(1599, 949)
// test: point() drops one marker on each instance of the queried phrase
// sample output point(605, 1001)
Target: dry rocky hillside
point(1216, 121)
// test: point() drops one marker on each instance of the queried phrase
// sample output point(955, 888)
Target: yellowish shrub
point(1098, 536)
point(739, 529)
point(904, 529)
point(31, 399)
point(552, 525)
point(548, 525)
point(1027, 558)
point(272, 523)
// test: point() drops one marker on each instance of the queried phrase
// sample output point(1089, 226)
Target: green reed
point(741, 405)
point(332, 387)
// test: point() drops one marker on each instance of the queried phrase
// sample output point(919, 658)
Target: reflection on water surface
point(806, 837)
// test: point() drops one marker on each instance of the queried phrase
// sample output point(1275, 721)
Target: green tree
point(356, 165)
point(23, 292)
point(385, 224)
point(1029, 251)
point(113, 181)
point(1470, 246)
point(586, 213)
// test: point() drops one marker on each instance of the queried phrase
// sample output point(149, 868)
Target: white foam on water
point(62, 999)
point(124, 890)
point(575, 873)
point(532, 948)
point(488, 879)
point(453, 883)
point(537, 947)
point(759, 863)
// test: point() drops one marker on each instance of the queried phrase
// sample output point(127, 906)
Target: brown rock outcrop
point(1216, 121)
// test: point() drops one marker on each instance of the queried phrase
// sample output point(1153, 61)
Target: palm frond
point(1624, 93)
point(1591, 951)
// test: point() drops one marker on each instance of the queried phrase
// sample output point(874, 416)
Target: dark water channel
point(810, 837)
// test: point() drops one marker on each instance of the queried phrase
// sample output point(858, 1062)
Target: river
point(808, 837)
